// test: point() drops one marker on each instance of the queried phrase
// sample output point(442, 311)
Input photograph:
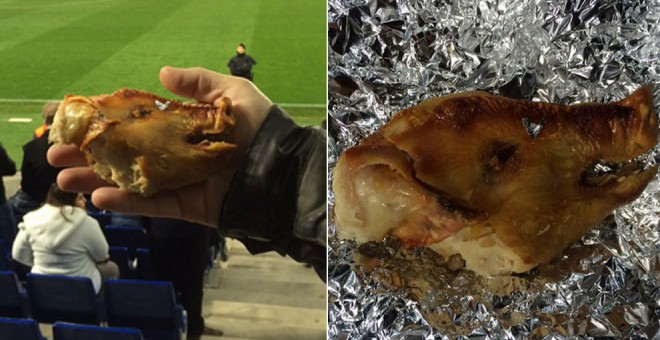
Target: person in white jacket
point(60, 238)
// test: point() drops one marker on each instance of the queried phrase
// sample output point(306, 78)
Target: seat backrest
point(103, 218)
point(145, 270)
point(62, 298)
point(23, 329)
point(119, 255)
point(147, 305)
point(72, 331)
point(11, 301)
point(124, 236)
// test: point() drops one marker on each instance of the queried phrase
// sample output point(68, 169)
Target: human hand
point(200, 202)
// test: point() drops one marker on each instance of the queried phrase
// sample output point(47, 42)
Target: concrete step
point(265, 296)
point(297, 272)
point(265, 321)
point(253, 287)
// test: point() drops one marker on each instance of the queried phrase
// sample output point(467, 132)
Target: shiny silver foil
point(386, 55)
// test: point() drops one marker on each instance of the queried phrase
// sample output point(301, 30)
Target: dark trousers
point(20, 204)
point(7, 226)
point(179, 254)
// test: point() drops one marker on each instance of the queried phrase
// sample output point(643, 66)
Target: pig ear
point(196, 83)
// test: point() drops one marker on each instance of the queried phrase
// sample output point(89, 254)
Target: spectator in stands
point(7, 227)
point(36, 174)
point(60, 238)
point(47, 112)
point(271, 197)
point(179, 253)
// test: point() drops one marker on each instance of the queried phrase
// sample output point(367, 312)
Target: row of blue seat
point(138, 267)
point(133, 238)
point(147, 305)
point(26, 329)
point(128, 248)
point(104, 218)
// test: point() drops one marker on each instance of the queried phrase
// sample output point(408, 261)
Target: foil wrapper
point(386, 55)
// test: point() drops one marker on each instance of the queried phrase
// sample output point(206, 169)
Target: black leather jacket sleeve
point(277, 199)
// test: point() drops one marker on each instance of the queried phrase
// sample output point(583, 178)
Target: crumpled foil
point(386, 55)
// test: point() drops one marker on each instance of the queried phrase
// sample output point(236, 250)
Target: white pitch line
point(302, 105)
point(10, 5)
point(43, 101)
point(20, 120)
point(27, 101)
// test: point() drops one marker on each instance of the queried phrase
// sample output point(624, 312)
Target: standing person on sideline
point(179, 253)
point(60, 238)
point(241, 64)
point(7, 227)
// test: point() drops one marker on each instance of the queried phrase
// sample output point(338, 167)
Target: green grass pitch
point(49, 48)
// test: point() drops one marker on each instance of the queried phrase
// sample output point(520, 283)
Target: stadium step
point(264, 296)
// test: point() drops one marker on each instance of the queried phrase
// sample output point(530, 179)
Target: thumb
point(196, 83)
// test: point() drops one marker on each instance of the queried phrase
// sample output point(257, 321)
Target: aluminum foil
point(386, 55)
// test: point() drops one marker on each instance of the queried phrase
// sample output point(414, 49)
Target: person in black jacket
point(179, 252)
point(272, 195)
point(241, 64)
point(37, 175)
point(7, 228)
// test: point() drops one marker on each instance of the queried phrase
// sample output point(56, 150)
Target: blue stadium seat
point(124, 236)
point(145, 270)
point(119, 255)
point(90, 207)
point(13, 298)
point(72, 331)
point(23, 329)
point(147, 305)
point(63, 298)
point(103, 218)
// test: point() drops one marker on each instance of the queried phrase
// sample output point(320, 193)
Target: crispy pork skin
point(506, 183)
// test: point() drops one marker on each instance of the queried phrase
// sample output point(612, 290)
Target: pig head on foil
point(506, 183)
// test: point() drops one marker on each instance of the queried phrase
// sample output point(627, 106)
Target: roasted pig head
point(506, 183)
point(145, 143)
